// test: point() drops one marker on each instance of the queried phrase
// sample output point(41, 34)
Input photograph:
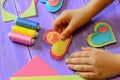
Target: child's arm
point(70, 20)
point(97, 5)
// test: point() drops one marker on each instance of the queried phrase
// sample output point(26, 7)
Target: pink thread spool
point(23, 39)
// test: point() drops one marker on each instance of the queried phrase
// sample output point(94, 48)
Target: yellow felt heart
point(59, 47)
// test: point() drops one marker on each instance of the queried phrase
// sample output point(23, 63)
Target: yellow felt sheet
point(73, 77)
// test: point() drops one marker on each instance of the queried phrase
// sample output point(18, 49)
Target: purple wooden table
point(14, 56)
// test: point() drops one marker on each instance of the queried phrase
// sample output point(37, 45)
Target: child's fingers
point(77, 61)
point(59, 22)
point(88, 48)
point(87, 75)
point(69, 30)
point(81, 68)
point(80, 54)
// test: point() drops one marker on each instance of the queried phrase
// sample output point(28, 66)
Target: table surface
point(14, 56)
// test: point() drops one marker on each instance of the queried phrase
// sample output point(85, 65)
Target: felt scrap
point(70, 77)
point(58, 47)
point(31, 11)
point(6, 16)
point(36, 67)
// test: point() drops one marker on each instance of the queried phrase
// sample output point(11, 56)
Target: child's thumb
point(68, 30)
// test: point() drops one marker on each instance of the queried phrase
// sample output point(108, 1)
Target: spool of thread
point(23, 39)
point(25, 31)
point(27, 23)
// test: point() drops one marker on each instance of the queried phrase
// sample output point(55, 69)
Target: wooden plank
point(69, 4)
point(0, 71)
point(12, 56)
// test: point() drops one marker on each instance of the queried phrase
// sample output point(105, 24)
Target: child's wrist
point(95, 6)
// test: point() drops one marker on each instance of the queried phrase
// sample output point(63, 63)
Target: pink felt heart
point(103, 29)
point(53, 2)
point(55, 38)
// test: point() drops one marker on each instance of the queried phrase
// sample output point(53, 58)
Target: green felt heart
point(103, 35)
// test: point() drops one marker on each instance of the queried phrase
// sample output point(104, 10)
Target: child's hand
point(70, 20)
point(94, 63)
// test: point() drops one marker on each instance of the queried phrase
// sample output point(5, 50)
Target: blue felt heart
point(103, 35)
point(53, 8)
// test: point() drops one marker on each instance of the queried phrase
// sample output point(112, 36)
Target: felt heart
point(51, 37)
point(53, 5)
point(53, 2)
point(103, 35)
point(59, 47)
point(103, 29)
point(55, 38)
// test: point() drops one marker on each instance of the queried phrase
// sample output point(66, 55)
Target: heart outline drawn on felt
point(102, 36)
point(58, 47)
point(52, 8)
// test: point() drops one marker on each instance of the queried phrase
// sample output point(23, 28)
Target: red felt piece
point(103, 29)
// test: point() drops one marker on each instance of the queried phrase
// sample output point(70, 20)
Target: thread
point(25, 31)
point(27, 23)
point(19, 38)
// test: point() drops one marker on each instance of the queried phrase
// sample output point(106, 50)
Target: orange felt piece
point(59, 47)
